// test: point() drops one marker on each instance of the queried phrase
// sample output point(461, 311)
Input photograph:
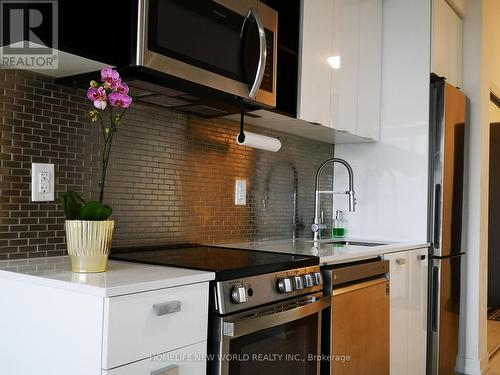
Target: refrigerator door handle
point(437, 216)
point(435, 299)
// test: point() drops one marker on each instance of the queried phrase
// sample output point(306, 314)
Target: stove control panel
point(308, 280)
point(239, 294)
point(298, 282)
point(293, 283)
point(285, 285)
point(317, 278)
point(247, 292)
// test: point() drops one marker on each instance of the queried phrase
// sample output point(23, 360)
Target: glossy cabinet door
point(417, 311)
point(400, 284)
point(314, 70)
point(134, 329)
point(356, 82)
point(447, 30)
point(370, 69)
point(185, 361)
point(408, 284)
point(340, 65)
point(346, 24)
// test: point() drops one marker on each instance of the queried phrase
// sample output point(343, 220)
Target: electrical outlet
point(42, 182)
point(44, 185)
point(240, 193)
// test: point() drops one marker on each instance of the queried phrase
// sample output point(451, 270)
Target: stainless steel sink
point(345, 243)
point(356, 243)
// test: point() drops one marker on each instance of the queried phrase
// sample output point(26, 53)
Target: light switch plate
point(240, 193)
point(42, 182)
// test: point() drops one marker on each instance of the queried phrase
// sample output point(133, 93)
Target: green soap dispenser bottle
point(338, 230)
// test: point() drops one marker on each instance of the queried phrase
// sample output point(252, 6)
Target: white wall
point(481, 54)
point(391, 175)
point(493, 25)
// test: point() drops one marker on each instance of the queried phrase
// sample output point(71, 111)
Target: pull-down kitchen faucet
point(317, 225)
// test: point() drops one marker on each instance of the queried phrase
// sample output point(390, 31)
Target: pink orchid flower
point(121, 87)
point(98, 96)
point(109, 75)
point(100, 104)
point(96, 93)
point(117, 99)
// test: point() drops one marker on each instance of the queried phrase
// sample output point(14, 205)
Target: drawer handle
point(167, 308)
point(400, 261)
point(169, 370)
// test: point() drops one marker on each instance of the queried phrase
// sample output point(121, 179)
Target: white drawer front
point(190, 360)
point(137, 326)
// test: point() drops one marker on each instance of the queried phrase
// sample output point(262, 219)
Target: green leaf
point(72, 204)
point(95, 211)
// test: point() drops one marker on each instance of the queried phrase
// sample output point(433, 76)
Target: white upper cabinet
point(447, 32)
point(315, 72)
point(370, 68)
point(340, 65)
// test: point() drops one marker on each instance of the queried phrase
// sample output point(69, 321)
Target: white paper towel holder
point(258, 141)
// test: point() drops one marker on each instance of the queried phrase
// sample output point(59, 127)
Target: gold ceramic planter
point(89, 244)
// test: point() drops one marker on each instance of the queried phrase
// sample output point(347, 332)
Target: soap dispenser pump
point(338, 230)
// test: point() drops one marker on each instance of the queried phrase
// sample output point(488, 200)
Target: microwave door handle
point(262, 52)
point(237, 328)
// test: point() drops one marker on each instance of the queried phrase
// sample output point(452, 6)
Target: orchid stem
point(106, 150)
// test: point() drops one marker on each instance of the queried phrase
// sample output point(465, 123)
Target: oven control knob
point(239, 294)
point(318, 278)
point(308, 280)
point(285, 285)
point(298, 283)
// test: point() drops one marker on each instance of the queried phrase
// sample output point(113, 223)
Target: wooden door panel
point(360, 328)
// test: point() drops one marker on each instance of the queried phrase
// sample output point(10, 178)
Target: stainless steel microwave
point(205, 57)
point(227, 45)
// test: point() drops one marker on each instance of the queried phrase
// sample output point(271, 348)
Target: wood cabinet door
point(360, 329)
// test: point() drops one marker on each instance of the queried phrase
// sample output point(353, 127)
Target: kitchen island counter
point(120, 278)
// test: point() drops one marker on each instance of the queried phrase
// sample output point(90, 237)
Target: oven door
point(282, 339)
point(226, 45)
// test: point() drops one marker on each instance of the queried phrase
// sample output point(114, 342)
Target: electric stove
point(226, 263)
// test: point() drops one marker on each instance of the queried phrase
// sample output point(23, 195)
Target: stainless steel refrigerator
point(446, 168)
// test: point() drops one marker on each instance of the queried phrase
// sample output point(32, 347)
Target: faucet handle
point(317, 227)
point(352, 201)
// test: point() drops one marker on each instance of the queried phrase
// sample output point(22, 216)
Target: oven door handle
point(261, 65)
point(233, 329)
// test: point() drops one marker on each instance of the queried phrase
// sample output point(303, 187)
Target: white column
point(473, 357)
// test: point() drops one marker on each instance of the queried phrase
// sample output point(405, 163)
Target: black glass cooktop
point(227, 263)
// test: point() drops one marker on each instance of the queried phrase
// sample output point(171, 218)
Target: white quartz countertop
point(327, 251)
point(120, 278)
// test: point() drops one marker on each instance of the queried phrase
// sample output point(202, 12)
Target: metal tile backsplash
point(171, 178)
